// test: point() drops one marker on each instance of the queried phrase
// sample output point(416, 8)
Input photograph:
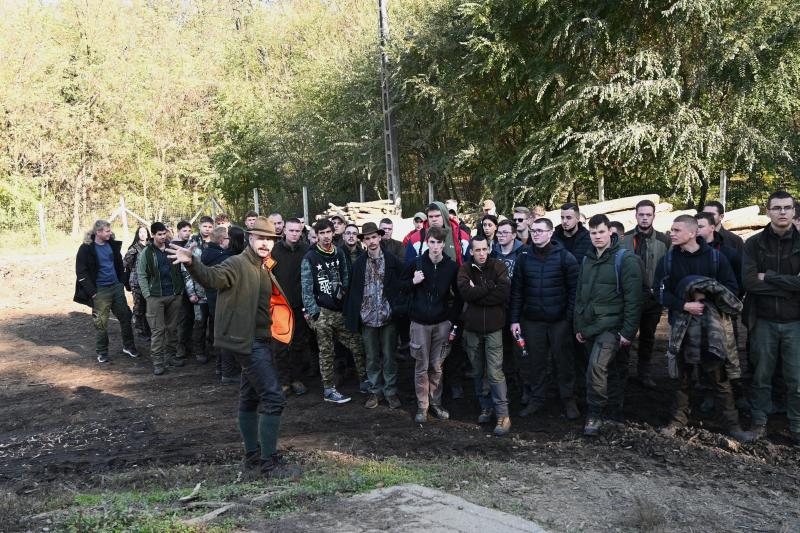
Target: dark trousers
point(259, 390)
point(291, 360)
point(185, 326)
point(712, 371)
point(111, 299)
point(651, 316)
point(543, 339)
point(200, 329)
point(379, 348)
point(605, 375)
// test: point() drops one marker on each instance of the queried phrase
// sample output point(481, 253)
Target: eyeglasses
point(540, 231)
point(781, 208)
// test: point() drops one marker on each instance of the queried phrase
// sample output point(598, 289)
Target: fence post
point(123, 214)
point(42, 226)
point(430, 192)
point(305, 205)
point(255, 201)
point(723, 188)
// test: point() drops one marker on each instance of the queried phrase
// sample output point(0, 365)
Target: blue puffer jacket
point(543, 286)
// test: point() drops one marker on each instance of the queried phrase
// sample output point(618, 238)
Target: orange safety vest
point(279, 310)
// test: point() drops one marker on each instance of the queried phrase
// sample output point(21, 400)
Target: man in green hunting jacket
point(161, 284)
point(608, 305)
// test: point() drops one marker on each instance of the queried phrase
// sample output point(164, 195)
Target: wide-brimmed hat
point(369, 228)
point(263, 227)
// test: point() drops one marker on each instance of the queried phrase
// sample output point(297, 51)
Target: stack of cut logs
point(744, 221)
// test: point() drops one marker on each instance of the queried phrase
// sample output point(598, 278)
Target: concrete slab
point(405, 508)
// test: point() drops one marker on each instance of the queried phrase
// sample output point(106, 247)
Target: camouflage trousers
point(330, 327)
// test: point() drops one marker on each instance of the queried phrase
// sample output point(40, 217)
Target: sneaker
point(225, 380)
point(103, 358)
point(373, 401)
point(298, 388)
point(503, 426)
point(742, 436)
point(486, 416)
point(131, 352)
point(201, 358)
point(394, 401)
point(421, 416)
point(457, 391)
point(530, 409)
point(592, 426)
point(334, 396)
point(158, 370)
point(670, 429)
point(364, 386)
point(571, 410)
point(440, 412)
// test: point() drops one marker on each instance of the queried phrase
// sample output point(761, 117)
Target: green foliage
point(527, 101)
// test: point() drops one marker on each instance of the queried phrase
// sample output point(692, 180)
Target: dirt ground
point(64, 418)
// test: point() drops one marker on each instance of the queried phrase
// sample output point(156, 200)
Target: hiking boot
point(530, 409)
point(364, 386)
point(571, 410)
point(373, 401)
point(503, 426)
point(457, 391)
point(742, 436)
point(225, 380)
point(102, 358)
point(131, 352)
point(394, 401)
point(440, 412)
point(421, 416)
point(276, 468)
point(158, 370)
point(334, 396)
point(592, 426)
point(671, 429)
point(201, 358)
point(486, 416)
point(298, 388)
point(252, 460)
point(176, 362)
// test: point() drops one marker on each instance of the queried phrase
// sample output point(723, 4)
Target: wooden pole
point(123, 214)
point(601, 188)
point(42, 226)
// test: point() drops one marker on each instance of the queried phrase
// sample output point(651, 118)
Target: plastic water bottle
point(453, 334)
point(521, 343)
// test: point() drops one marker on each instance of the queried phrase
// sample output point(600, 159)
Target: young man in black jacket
point(290, 358)
point(434, 306)
point(542, 304)
point(484, 286)
point(571, 232)
point(772, 279)
point(368, 311)
point(99, 285)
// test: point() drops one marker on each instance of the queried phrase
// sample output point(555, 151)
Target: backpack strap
point(618, 267)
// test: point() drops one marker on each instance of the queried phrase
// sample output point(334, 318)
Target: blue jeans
point(260, 389)
point(768, 340)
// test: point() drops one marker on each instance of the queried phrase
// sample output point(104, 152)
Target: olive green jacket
point(598, 305)
point(238, 280)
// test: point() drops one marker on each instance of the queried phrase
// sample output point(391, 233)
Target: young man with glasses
point(771, 273)
point(351, 246)
point(542, 303)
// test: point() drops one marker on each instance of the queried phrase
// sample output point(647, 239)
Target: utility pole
point(389, 134)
